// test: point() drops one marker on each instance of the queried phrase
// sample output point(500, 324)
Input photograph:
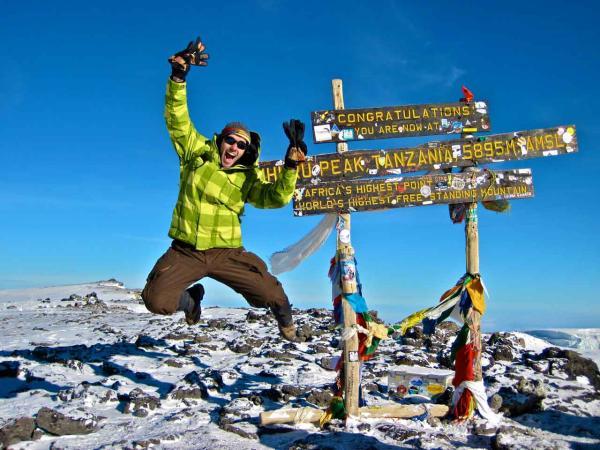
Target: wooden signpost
point(462, 152)
point(345, 256)
point(367, 195)
point(342, 125)
point(365, 180)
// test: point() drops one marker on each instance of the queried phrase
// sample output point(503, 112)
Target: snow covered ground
point(584, 340)
point(124, 378)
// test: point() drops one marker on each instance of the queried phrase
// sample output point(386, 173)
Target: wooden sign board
point(431, 156)
point(399, 121)
point(365, 195)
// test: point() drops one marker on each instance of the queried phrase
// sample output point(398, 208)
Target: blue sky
point(88, 177)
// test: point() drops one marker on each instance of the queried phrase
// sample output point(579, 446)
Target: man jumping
point(218, 177)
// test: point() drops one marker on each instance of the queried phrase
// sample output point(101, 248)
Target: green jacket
point(211, 199)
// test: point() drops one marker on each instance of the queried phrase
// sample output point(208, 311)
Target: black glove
point(297, 150)
point(192, 55)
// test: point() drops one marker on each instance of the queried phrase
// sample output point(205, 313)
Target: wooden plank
point(308, 414)
point(365, 195)
point(432, 156)
point(399, 121)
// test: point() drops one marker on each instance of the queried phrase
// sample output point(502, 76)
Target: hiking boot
point(192, 315)
point(289, 333)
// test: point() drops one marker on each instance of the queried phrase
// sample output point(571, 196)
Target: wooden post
point(472, 257)
point(345, 253)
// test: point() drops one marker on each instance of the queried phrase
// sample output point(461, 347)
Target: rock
point(179, 336)
point(30, 376)
point(364, 427)
point(434, 421)
point(173, 363)
point(202, 339)
point(414, 333)
point(9, 369)
point(110, 368)
point(215, 380)
point(512, 438)
point(412, 342)
point(412, 359)
point(256, 399)
point(267, 374)
point(494, 339)
point(109, 396)
point(444, 358)
point(181, 393)
point(483, 429)
point(73, 393)
point(503, 353)
point(292, 390)
point(432, 346)
point(304, 333)
point(253, 316)
point(145, 443)
point(397, 432)
point(219, 324)
point(137, 402)
point(58, 424)
point(280, 356)
point(447, 327)
point(236, 408)
point(17, 430)
point(319, 348)
point(319, 397)
point(188, 350)
point(239, 345)
point(74, 364)
point(144, 341)
point(531, 387)
point(337, 438)
point(515, 403)
point(371, 387)
point(238, 430)
point(60, 354)
point(495, 402)
point(318, 312)
point(272, 394)
point(197, 380)
point(577, 365)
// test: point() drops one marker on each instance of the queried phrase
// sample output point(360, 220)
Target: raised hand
point(192, 55)
point(297, 150)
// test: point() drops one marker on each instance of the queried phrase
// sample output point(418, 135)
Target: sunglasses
point(242, 145)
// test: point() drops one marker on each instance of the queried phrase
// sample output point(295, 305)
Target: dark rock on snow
point(17, 430)
point(58, 424)
point(9, 369)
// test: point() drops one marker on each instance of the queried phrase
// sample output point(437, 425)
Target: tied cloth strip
point(369, 332)
point(457, 302)
point(477, 390)
point(288, 258)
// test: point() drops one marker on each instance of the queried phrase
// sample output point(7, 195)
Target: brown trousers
point(242, 271)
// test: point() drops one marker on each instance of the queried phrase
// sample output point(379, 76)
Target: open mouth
point(229, 157)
